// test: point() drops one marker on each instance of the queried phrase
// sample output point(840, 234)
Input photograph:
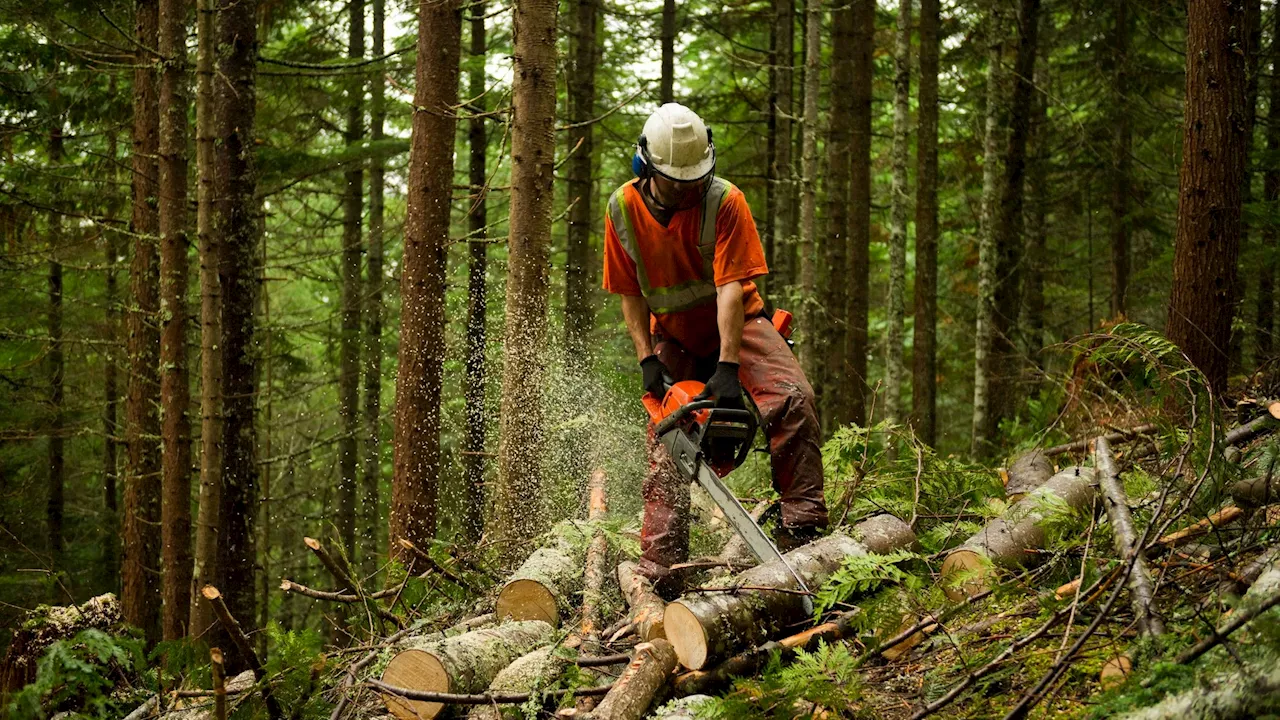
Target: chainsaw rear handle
point(736, 415)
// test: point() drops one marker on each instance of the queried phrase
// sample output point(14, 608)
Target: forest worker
point(682, 249)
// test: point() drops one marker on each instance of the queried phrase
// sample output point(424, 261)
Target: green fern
point(861, 574)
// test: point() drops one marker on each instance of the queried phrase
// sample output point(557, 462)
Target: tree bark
point(1126, 540)
point(579, 315)
point(110, 569)
point(1269, 262)
point(924, 375)
point(205, 566)
point(175, 388)
point(416, 478)
point(833, 385)
point(473, 460)
point(984, 326)
point(527, 673)
point(859, 267)
point(1252, 44)
point(810, 316)
point(895, 361)
point(1028, 472)
point(516, 519)
point(633, 692)
point(1010, 541)
point(1209, 200)
point(235, 223)
point(1037, 259)
point(668, 38)
point(782, 258)
point(371, 516)
point(708, 627)
point(352, 292)
point(57, 427)
point(465, 663)
point(1121, 142)
point(594, 571)
point(141, 581)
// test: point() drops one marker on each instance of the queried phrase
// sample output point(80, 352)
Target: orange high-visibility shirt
point(668, 265)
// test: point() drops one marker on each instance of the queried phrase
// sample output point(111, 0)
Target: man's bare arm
point(635, 311)
point(729, 312)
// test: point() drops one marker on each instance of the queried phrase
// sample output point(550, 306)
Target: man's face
point(679, 195)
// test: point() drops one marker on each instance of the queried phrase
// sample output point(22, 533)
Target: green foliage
point(78, 676)
point(860, 574)
point(296, 664)
point(825, 679)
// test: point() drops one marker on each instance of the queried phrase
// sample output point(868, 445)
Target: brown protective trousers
point(770, 374)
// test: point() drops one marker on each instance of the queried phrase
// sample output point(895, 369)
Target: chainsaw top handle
point(681, 413)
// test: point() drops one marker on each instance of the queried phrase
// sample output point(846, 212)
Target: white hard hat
point(677, 144)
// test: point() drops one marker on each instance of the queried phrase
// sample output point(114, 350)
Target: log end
point(686, 635)
point(525, 599)
point(210, 593)
point(419, 670)
point(966, 564)
point(1115, 671)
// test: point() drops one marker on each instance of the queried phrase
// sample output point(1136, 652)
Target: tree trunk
point(924, 359)
point(859, 266)
point(1269, 262)
point(236, 225)
point(1011, 541)
point(371, 517)
point(352, 292)
point(579, 316)
point(205, 566)
point(110, 570)
point(1121, 142)
point(667, 83)
point(810, 317)
point(465, 663)
point(1006, 365)
point(833, 386)
point(1252, 44)
point(1209, 199)
point(984, 326)
point(57, 426)
point(633, 692)
point(516, 519)
point(141, 581)
point(1038, 191)
point(782, 258)
point(175, 388)
point(646, 606)
point(708, 627)
point(477, 292)
point(895, 362)
point(416, 478)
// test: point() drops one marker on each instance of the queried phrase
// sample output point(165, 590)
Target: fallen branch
point(1264, 595)
point(1226, 515)
point(1117, 436)
point(633, 692)
point(241, 640)
point(434, 566)
point(594, 571)
point(1125, 538)
point(482, 698)
point(646, 607)
point(219, 684)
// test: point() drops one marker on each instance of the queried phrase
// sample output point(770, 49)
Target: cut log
point(633, 692)
point(1010, 541)
point(47, 624)
point(708, 627)
point(883, 534)
point(462, 664)
point(545, 586)
point(646, 607)
point(747, 663)
point(1263, 488)
point(1026, 473)
point(531, 671)
point(1125, 539)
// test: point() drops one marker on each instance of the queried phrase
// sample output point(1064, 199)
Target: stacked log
point(546, 585)
point(466, 663)
point(1011, 541)
point(708, 627)
point(526, 673)
point(1026, 473)
point(646, 608)
point(634, 691)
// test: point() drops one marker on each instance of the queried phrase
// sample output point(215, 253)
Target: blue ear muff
point(637, 165)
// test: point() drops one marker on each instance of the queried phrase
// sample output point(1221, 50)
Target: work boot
point(790, 537)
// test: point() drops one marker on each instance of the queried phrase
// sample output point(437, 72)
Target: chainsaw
point(707, 443)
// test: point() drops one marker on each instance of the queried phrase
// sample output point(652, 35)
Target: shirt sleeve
point(619, 269)
point(739, 254)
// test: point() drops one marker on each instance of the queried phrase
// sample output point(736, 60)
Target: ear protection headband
point(642, 163)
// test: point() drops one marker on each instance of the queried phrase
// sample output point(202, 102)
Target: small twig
point(1237, 622)
point(431, 563)
point(219, 684)
point(1118, 436)
point(755, 588)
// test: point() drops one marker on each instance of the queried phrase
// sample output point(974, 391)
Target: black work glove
point(723, 386)
point(656, 376)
